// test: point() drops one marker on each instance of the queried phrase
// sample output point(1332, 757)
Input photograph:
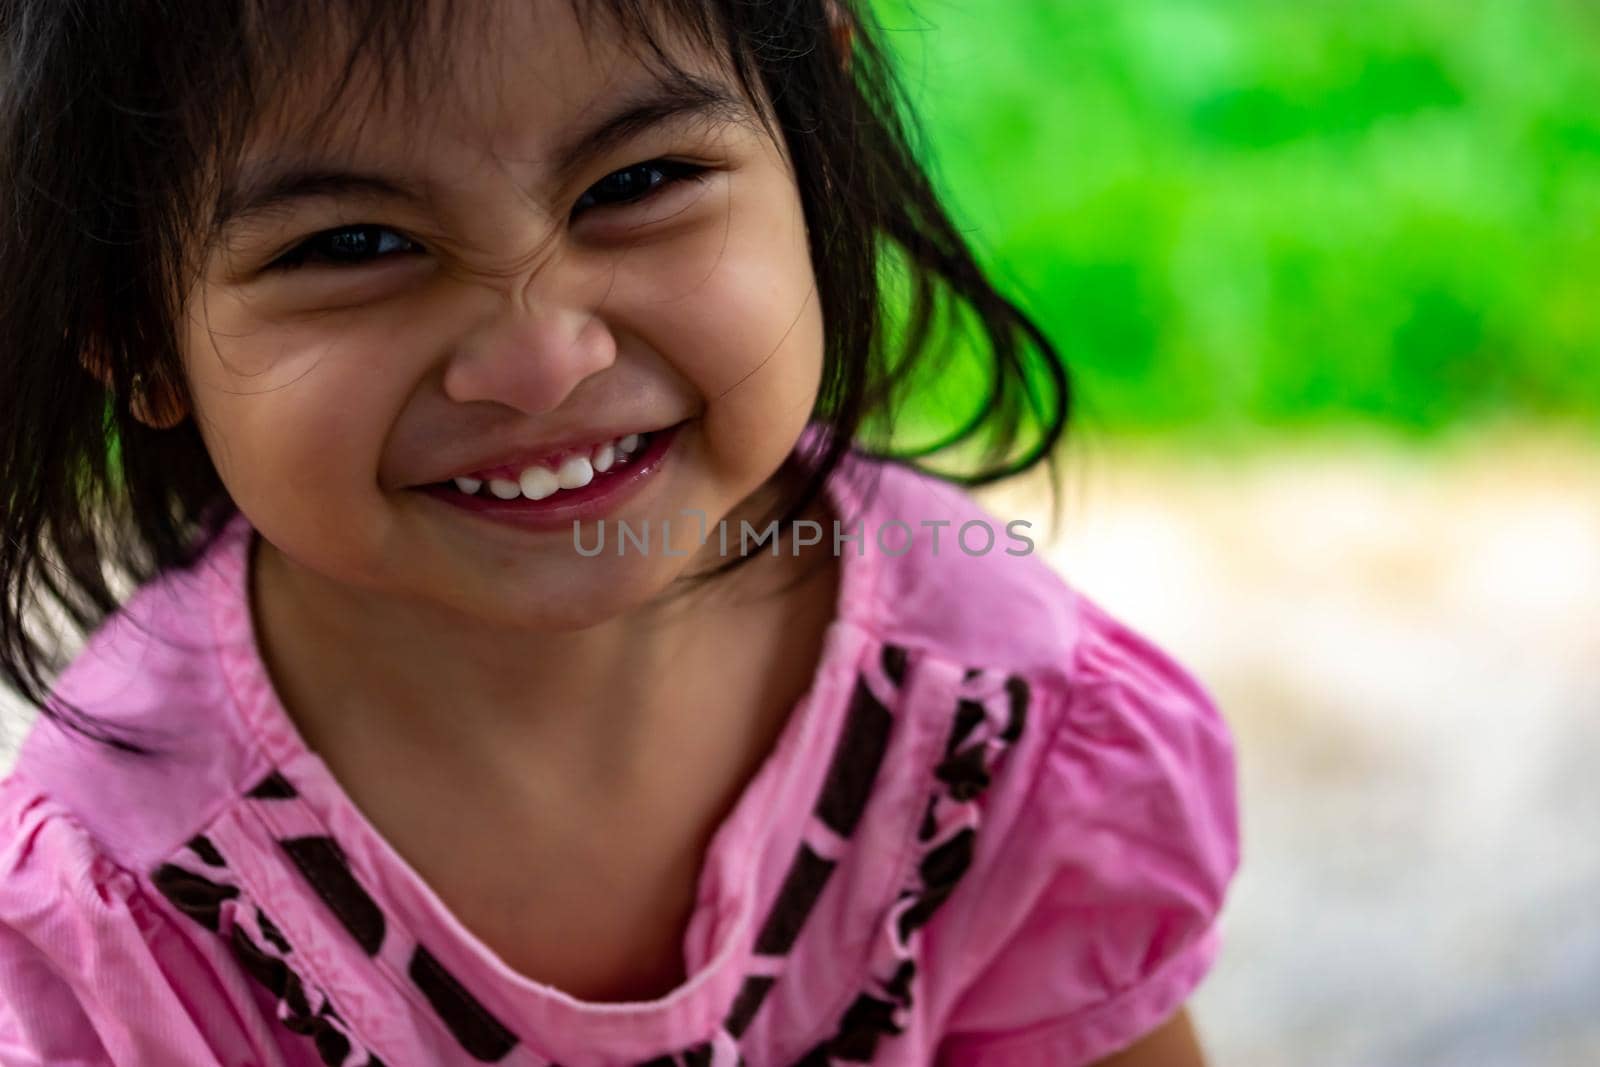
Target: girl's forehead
point(517, 71)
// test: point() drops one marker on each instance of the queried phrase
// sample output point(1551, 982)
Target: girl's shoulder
point(1100, 781)
point(94, 967)
point(97, 960)
point(63, 904)
point(154, 674)
point(81, 940)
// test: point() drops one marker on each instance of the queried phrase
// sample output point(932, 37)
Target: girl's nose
point(530, 356)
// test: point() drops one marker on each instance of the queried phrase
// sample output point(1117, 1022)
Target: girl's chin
point(572, 595)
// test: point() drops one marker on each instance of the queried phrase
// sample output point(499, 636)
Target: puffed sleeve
point(1097, 916)
point(85, 961)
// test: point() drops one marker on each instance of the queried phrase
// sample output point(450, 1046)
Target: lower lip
point(596, 500)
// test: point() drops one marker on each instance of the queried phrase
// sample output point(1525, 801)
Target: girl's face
point(434, 287)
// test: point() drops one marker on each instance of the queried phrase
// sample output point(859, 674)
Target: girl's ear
point(156, 405)
point(153, 402)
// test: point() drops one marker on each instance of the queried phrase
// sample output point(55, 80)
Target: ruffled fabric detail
point(204, 890)
point(1099, 916)
point(991, 712)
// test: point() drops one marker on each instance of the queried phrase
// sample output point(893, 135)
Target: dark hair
point(118, 117)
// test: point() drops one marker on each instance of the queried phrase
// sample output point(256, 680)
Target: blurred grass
point(1247, 215)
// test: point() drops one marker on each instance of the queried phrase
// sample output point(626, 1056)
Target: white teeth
point(538, 483)
point(575, 472)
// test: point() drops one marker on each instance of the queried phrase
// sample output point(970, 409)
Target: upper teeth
point(537, 482)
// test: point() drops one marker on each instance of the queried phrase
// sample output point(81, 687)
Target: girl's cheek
point(740, 233)
point(300, 400)
point(719, 298)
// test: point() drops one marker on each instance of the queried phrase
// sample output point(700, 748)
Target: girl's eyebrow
point(680, 97)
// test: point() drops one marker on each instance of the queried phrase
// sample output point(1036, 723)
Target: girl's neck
point(377, 686)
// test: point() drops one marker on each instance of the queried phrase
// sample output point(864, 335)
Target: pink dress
point(998, 830)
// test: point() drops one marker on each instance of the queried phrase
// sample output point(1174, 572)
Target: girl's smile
point(580, 489)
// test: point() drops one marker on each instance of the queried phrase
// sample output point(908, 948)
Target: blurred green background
point(1240, 218)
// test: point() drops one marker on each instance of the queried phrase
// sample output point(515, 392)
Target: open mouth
point(606, 461)
point(586, 484)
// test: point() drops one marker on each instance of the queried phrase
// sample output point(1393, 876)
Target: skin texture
point(1173, 1044)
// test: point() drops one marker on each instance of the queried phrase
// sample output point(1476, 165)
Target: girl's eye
point(348, 246)
point(353, 246)
point(638, 182)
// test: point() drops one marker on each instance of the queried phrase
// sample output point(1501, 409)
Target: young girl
point(528, 661)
